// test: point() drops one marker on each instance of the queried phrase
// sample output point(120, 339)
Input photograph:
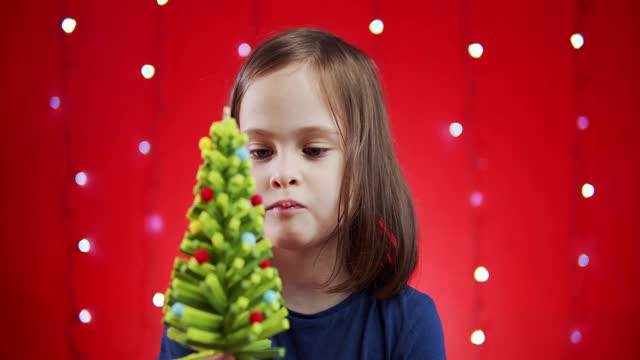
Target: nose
point(284, 174)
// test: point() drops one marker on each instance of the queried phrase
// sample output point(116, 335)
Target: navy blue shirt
point(405, 326)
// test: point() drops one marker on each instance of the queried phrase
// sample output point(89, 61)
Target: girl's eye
point(314, 152)
point(259, 153)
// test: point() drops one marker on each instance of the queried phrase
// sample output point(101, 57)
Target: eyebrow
point(319, 130)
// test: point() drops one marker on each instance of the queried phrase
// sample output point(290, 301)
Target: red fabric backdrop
point(520, 148)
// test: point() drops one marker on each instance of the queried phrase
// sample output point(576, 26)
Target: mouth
point(286, 204)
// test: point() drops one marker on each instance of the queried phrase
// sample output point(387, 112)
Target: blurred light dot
point(162, 2)
point(475, 50)
point(476, 199)
point(154, 224)
point(148, 71)
point(376, 27)
point(68, 25)
point(583, 122)
point(244, 50)
point(477, 337)
point(81, 178)
point(144, 147)
point(576, 336)
point(577, 41)
point(84, 245)
point(54, 102)
point(85, 316)
point(583, 260)
point(455, 129)
point(158, 299)
point(588, 190)
point(481, 274)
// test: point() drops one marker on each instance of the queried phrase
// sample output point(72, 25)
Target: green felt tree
point(225, 297)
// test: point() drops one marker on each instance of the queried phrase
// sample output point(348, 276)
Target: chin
point(287, 239)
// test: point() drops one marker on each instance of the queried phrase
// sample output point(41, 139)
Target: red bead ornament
point(201, 255)
point(256, 317)
point(265, 264)
point(206, 194)
point(256, 200)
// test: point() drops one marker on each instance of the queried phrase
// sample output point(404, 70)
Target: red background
point(520, 148)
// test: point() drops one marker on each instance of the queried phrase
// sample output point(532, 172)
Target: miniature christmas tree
point(226, 297)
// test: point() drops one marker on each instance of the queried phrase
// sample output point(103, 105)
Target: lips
point(285, 204)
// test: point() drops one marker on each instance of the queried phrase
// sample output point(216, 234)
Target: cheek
point(259, 176)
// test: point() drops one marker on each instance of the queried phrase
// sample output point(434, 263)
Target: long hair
point(376, 228)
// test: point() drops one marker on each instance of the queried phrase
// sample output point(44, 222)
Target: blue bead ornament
point(242, 153)
point(269, 296)
point(178, 309)
point(248, 238)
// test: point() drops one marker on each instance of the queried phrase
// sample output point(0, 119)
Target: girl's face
point(296, 155)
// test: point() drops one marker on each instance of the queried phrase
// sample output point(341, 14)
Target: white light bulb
point(577, 41)
point(144, 147)
point(583, 122)
point(376, 27)
point(481, 274)
point(154, 224)
point(158, 299)
point(477, 337)
point(68, 25)
point(84, 245)
point(85, 316)
point(583, 260)
point(476, 199)
point(54, 102)
point(588, 190)
point(148, 71)
point(475, 50)
point(455, 129)
point(244, 50)
point(162, 2)
point(576, 336)
point(81, 178)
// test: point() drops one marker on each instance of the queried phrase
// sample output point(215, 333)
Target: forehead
point(286, 101)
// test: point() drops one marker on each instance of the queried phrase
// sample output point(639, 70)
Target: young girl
point(339, 212)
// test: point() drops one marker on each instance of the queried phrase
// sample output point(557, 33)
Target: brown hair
point(377, 232)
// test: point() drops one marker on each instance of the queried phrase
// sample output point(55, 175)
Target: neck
point(303, 271)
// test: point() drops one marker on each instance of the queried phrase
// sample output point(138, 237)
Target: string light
point(144, 147)
point(477, 337)
point(475, 50)
point(154, 224)
point(85, 316)
point(244, 50)
point(54, 102)
point(583, 123)
point(455, 129)
point(583, 260)
point(376, 27)
point(481, 274)
point(148, 71)
point(576, 336)
point(577, 41)
point(84, 245)
point(158, 299)
point(476, 199)
point(81, 178)
point(588, 190)
point(68, 25)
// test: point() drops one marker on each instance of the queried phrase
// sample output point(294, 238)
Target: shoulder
point(410, 304)
point(417, 324)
